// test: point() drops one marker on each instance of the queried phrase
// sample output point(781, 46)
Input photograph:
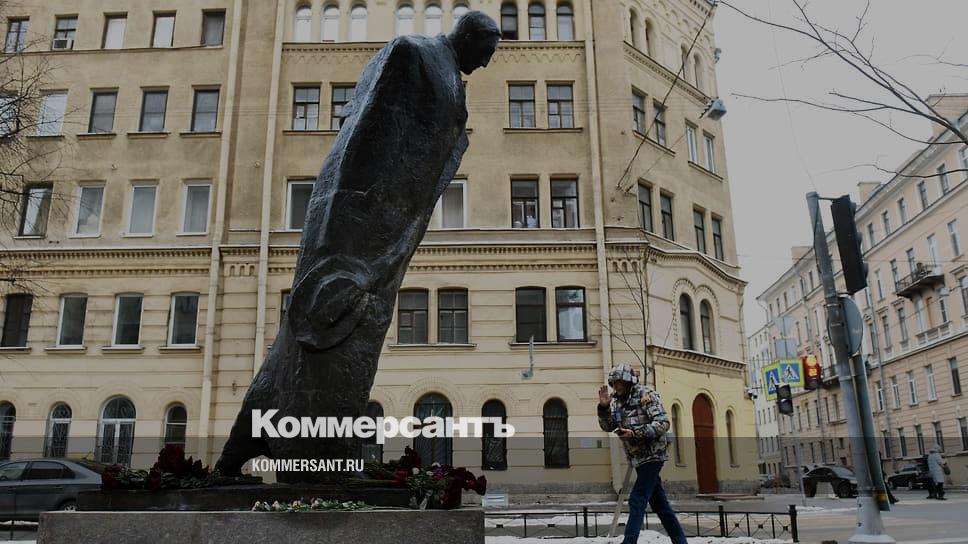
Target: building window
point(183, 321)
point(645, 207)
point(16, 320)
point(561, 106)
point(298, 203)
point(205, 110)
point(342, 94)
point(665, 210)
point(114, 26)
point(638, 112)
point(524, 204)
point(659, 123)
point(887, 332)
point(213, 28)
point(452, 206)
point(570, 306)
point(372, 450)
point(330, 30)
point(706, 324)
point(16, 35)
point(938, 435)
point(564, 204)
point(302, 25)
point(452, 316)
point(358, 24)
point(901, 212)
point(919, 435)
point(509, 21)
point(460, 10)
point(902, 324)
point(555, 419)
point(691, 144)
point(536, 21)
point(305, 108)
point(529, 315)
point(963, 427)
point(943, 179)
point(116, 432)
point(58, 431)
point(521, 105)
point(730, 438)
point(886, 221)
point(685, 323)
point(903, 441)
point(494, 450)
point(699, 224)
point(89, 206)
point(65, 28)
point(164, 30)
point(955, 236)
point(433, 17)
point(70, 328)
point(412, 317)
point(405, 20)
point(176, 425)
point(8, 416)
point(127, 320)
point(34, 210)
point(676, 442)
point(566, 22)
point(879, 284)
point(141, 215)
point(912, 387)
point(955, 376)
point(870, 234)
point(912, 264)
point(895, 393)
point(437, 449)
point(195, 213)
point(923, 194)
point(102, 112)
point(52, 109)
point(709, 144)
point(153, 105)
point(879, 388)
point(929, 378)
point(718, 242)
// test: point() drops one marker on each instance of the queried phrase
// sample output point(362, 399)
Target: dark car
point(910, 476)
point(31, 486)
point(841, 479)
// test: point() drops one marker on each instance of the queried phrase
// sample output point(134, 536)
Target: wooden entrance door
point(704, 431)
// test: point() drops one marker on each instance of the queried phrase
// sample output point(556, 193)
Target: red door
point(704, 431)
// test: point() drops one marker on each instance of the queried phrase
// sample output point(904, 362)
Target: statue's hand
point(328, 303)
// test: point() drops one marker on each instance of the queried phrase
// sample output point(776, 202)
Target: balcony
point(923, 278)
point(934, 334)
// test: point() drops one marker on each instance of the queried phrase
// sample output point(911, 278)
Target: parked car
point(31, 486)
point(910, 476)
point(841, 479)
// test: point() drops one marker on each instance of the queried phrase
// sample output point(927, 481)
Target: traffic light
point(784, 400)
point(811, 373)
point(849, 242)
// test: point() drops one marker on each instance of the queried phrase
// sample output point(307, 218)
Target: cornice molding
point(698, 362)
point(648, 62)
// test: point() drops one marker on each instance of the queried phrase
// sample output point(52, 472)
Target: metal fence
point(593, 523)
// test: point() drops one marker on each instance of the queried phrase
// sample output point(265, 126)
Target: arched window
point(555, 434)
point(372, 451)
point(460, 10)
point(685, 323)
point(8, 415)
point(706, 324)
point(730, 435)
point(697, 69)
point(676, 425)
point(330, 31)
point(536, 22)
point(509, 21)
point(176, 425)
point(436, 449)
point(432, 20)
point(566, 22)
point(405, 16)
point(685, 68)
point(304, 19)
point(633, 28)
point(358, 24)
point(116, 432)
point(494, 450)
point(58, 429)
point(649, 39)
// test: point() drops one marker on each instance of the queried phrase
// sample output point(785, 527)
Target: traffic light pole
point(870, 527)
point(796, 459)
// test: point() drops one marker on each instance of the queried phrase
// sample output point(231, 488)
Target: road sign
point(791, 372)
point(771, 377)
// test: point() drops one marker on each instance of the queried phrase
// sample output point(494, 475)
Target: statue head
point(474, 38)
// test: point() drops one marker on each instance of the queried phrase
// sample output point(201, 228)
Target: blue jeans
point(648, 490)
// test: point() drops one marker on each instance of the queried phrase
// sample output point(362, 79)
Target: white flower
point(416, 470)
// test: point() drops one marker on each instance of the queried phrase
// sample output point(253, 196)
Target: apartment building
point(761, 355)
point(162, 245)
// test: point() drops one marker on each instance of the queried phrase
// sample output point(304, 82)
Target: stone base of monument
point(460, 526)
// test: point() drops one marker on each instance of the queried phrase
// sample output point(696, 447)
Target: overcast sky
point(777, 153)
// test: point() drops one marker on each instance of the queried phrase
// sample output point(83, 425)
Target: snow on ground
point(647, 537)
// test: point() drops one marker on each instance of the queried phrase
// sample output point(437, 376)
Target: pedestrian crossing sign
point(771, 378)
point(791, 372)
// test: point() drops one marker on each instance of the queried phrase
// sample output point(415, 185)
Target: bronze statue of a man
point(399, 147)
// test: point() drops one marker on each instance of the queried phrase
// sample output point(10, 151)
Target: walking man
point(937, 467)
point(635, 413)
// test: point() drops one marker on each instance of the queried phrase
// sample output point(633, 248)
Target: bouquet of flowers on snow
point(432, 486)
point(304, 506)
point(171, 471)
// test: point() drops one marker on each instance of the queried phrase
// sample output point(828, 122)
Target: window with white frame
point(692, 144)
point(164, 30)
point(176, 425)
point(638, 111)
point(52, 109)
point(35, 209)
point(902, 323)
point(880, 286)
point(955, 237)
point(358, 24)
point(305, 107)
point(902, 210)
point(452, 205)
point(330, 30)
point(196, 210)
point(895, 392)
point(880, 395)
point(709, 144)
point(405, 20)
point(141, 211)
point(70, 327)
point(302, 24)
point(114, 26)
point(564, 204)
point(90, 202)
point(127, 320)
point(942, 172)
point(297, 203)
point(433, 17)
point(912, 387)
point(183, 319)
point(929, 378)
point(964, 161)
point(460, 10)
